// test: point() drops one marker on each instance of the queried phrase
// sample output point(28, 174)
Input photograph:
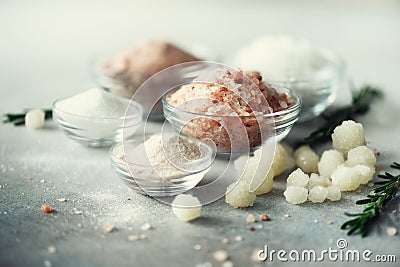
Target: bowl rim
point(293, 93)
point(114, 158)
point(130, 102)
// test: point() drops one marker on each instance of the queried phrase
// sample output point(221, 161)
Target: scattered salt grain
point(197, 247)
point(46, 208)
point(108, 228)
point(264, 217)
point(227, 264)
point(133, 238)
point(47, 263)
point(238, 238)
point(329, 222)
point(225, 240)
point(250, 218)
point(62, 199)
point(186, 207)
point(51, 249)
point(146, 227)
point(221, 255)
point(391, 231)
point(286, 215)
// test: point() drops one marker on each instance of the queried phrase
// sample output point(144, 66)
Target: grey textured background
point(45, 48)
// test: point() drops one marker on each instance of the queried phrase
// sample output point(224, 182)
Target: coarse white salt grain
point(296, 194)
point(186, 207)
point(334, 193)
point(297, 178)
point(348, 135)
point(361, 155)
point(329, 161)
point(306, 159)
point(34, 119)
point(318, 194)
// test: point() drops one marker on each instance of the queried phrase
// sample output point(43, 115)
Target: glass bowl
point(231, 137)
point(98, 132)
point(320, 89)
point(125, 85)
point(155, 180)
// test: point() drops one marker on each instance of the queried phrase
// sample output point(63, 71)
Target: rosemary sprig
point(360, 105)
point(376, 201)
point(19, 118)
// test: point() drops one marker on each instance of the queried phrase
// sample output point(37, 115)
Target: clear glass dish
point(320, 89)
point(259, 129)
point(149, 179)
point(98, 132)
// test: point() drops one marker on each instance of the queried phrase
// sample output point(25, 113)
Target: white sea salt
point(95, 103)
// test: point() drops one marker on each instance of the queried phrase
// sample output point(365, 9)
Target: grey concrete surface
point(44, 50)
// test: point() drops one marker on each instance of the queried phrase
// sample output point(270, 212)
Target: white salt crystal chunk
point(279, 164)
point(267, 185)
point(317, 180)
point(297, 178)
point(361, 155)
point(238, 195)
point(318, 194)
point(186, 207)
point(348, 135)
point(295, 194)
point(334, 193)
point(349, 178)
point(34, 119)
point(306, 159)
point(330, 160)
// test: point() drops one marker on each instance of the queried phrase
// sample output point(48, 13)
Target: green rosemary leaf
point(375, 202)
point(363, 201)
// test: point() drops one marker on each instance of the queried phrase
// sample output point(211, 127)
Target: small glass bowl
point(275, 125)
point(320, 89)
point(147, 179)
point(98, 132)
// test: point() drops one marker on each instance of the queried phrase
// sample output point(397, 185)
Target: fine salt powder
point(95, 103)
